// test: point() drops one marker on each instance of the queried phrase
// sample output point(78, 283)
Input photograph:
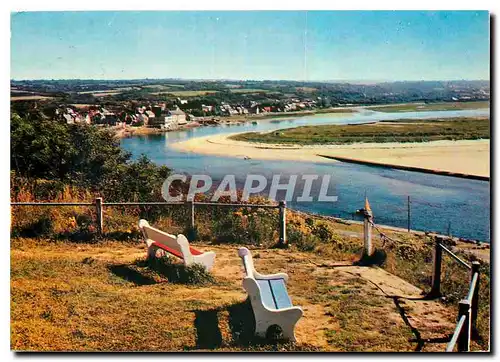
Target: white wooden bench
point(175, 245)
point(269, 298)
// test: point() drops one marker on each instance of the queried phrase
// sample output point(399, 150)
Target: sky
point(280, 45)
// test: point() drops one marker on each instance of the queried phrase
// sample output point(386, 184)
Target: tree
point(84, 156)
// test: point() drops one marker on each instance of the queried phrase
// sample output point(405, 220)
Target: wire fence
point(467, 308)
point(187, 211)
point(197, 213)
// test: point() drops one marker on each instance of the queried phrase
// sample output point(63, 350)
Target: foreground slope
point(101, 297)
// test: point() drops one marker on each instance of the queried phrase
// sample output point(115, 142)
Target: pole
point(192, 214)
point(436, 274)
point(282, 226)
point(409, 213)
point(98, 208)
point(464, 336)
point(368, 217)
point(475, 295)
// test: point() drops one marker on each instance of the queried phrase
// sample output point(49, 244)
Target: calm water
point(439, 203)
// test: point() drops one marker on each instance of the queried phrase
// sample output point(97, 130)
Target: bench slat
point(266, 293)
point(194, 251)
point(169, 250)
point(175, 252)
point(274, 293)
point(278, 287)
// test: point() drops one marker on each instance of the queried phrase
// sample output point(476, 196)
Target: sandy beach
point(471, 157)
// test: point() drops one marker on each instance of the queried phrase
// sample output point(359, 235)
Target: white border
point(33, 5)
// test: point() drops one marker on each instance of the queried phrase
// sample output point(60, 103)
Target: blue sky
point(293, 45)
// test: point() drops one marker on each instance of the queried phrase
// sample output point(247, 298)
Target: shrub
point(322, 230)
point(191, 233)
point(194, 274)
point(38, 227)
point(302, 241)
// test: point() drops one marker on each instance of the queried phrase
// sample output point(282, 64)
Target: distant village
point(158, 115)
point(151, 105)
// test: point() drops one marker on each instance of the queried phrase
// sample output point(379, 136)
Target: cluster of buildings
point(171, 118)
point(71, 116)
point(157, 116)
point(253, 107)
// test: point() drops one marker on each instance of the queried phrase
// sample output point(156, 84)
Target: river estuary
point(438, 203)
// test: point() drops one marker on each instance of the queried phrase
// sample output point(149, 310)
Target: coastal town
point(160, 116)
point(156, 105)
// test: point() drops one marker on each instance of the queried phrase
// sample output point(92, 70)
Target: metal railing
point(99, 204)
point(467, 316)
point(468, 307)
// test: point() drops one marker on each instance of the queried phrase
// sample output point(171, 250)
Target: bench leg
point(206, 259)
point(151, 252)
point(261, 329)
point(286, 320)
point(289, 332)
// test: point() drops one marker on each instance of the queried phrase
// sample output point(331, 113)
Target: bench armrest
point(283, 276)
point(294, 311)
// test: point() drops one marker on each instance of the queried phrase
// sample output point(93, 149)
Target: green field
point(422, 107)
point(306, 89)
point(186, 93)
point(380, 132)
point(248, 90)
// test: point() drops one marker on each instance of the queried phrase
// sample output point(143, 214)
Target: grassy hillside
point(105, 297)
point(74, 290)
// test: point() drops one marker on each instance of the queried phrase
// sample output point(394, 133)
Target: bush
point(194, 274)
point(191, 233)
point(302, 241)
point(322, 230)
point(39, 227)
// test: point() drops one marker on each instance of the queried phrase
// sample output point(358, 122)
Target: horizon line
point(260, 80)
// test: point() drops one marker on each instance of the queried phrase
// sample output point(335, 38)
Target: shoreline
point(441, 156)
point(480, 248)
point(409, 168)
point(130, 131)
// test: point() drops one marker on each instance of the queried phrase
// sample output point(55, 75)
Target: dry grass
point(97, 297)
point(71, 290)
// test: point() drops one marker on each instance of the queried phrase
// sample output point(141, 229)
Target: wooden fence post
point(98, 207)
point(192, 214)
point(368, 219)
point(436, 273)
point(282, 226)
point(464, 336)
point(475, 295)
